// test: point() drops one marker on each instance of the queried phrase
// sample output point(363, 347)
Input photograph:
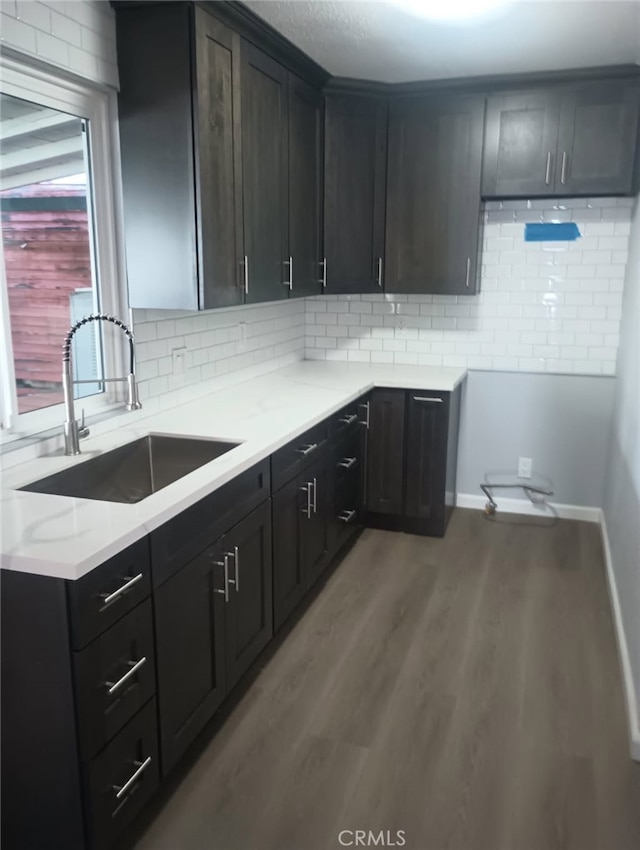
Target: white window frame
point(99, 108)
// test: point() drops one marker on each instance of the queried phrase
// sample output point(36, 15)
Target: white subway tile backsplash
point(543, 306)
point(78, 36)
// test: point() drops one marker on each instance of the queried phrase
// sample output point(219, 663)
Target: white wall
point(622, 499)
point(561, 422)
point(77, 36)
point(543, 307)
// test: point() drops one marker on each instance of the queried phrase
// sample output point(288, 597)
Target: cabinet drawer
point(114, 678)
point(298, 454)
point(347, 455)
point(123, 778)
point(346, 420)
point(103, 596)
point(181, 539)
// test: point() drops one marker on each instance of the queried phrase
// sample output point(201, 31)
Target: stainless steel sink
point(134, 471)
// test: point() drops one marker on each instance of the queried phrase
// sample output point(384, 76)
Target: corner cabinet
point(433, 194)
point(354, 188)
point(562, 141)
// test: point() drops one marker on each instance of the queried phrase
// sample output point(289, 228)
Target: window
point(59, 253)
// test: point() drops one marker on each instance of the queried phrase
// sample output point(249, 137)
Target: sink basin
point(134, 471)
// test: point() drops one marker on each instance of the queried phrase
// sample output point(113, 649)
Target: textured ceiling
point(380, 41)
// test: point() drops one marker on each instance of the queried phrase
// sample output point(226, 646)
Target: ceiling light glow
point(452, 10)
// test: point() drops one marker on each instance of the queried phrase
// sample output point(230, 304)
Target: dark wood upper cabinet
point(597, 140)
point(433, 194)
point(180, 157)
point(520, 144)
point(219, 159)
point(305, 186)
point(354, 201)
point(265, 137)
point(385, 457)
point(562, 141)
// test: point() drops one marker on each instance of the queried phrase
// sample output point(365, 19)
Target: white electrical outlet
point(179, 360)
point(524, 467)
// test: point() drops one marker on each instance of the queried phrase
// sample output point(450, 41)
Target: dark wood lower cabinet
point(386, 452)
point(411, 463)
point(101, 701)
point(300, 542)
point(212, 620)
point(249, 610)
point(190, 640)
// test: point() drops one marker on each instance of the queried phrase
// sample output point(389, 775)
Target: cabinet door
point(288, 571)
point(189, 614)
point(385, 451)
point(597, 141)
point(426, 458)
point(433, 195)
point(305, 187)
point(264, 175)
point(355, 165)
point(249, 612)
point(314, 519)
point(219, 189)
point(520, 144)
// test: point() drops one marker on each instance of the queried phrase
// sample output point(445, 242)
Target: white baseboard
point(623, 649)
point(524, 506)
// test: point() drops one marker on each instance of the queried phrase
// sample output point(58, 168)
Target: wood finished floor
point(465, 690)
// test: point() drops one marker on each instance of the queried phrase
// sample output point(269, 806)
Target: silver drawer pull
point(428, 399)
point(307, 449)
point(366, 421)
point(348, 462)
point(134, 667)
point(307, 489)
point(346, 516)
point(315, 495)
point(141, 767)
point(225, 566)
point(347, 420)
point(108, 598)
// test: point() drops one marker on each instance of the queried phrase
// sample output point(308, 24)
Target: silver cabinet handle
point(315, 495)
point(379, 278)
point(108, 598)
point(348, 462)
point(466, 282)
point(563, 170)
point(236, 564)
point(225, 565)
point(307, 449)
point(323, 276)
point(134, 667)
point(307, 489)
point(347, 420)
point(366, 421)
point(427, 398)
point(289, 282)
point(245, 263)
point(141, 767)
point(547, 173)
point(346, 516)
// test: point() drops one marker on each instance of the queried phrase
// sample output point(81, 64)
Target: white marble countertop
point(66, 537)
